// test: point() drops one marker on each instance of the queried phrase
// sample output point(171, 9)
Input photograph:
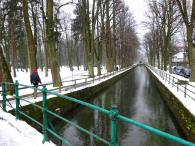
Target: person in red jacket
point(35, 80)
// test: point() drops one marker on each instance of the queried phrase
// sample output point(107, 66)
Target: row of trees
point(37, 33)
point(168, 18)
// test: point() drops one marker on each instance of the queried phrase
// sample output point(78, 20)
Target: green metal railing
point(114, 115)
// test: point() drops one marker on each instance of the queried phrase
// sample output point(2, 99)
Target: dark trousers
point(35, 91)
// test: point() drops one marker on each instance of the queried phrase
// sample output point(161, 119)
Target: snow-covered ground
point(19, 133)
point(23, 77)
point(67, 76)
point(189, 100)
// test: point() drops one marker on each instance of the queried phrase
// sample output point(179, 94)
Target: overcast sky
point(138, 8)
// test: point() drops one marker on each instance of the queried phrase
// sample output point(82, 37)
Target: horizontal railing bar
point(77, 126)
point(156, 131)
point(9, 106)
point(40, 107)
point(190, 91)
point(32, 87)
point(92, 106)
point(8, 83)
point(8, 90)
point(24, 114)
point(190, 96)
point(59, 137)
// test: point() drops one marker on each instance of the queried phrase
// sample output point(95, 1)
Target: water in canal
point(137, 98)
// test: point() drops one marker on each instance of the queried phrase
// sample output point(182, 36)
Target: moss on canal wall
point(63, 106)
point(184, 118)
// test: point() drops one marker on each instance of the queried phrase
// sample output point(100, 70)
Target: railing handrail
point(113, 114)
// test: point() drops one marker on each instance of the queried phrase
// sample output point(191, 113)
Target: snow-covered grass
point(91, 82)
point(185, 94)
point(18, 133)
point(23, 77)
point(68, 78)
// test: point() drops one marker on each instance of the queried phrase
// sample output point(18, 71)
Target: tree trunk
point(31, 44)
point(114, 33)
point(162, 60)
point(192, 78)
point(54, 62)
point(88, 36)
point(6, 71)
point(191, 53)
point(44, 40)
point(70, 54)
point(158, 58)
point(170, 61)
point(13, 45)
point(109, 49)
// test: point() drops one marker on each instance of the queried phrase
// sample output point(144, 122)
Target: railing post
point(60, 88)
point(177, 85)
point(185, 90)
point(17, 100)
point(165, 77)
point(4, 96)
point(173, 81)
point(85, 80)
point(169, 79)
point(114, 126)
point(75, 82)
point(45, 116)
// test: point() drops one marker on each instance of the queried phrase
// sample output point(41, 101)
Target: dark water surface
point(137, 98)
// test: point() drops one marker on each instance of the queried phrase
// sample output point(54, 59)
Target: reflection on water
point(137, 98)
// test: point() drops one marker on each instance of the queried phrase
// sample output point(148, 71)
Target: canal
point(136, 97)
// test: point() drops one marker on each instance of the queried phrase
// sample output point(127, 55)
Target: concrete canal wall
point(183, 117)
